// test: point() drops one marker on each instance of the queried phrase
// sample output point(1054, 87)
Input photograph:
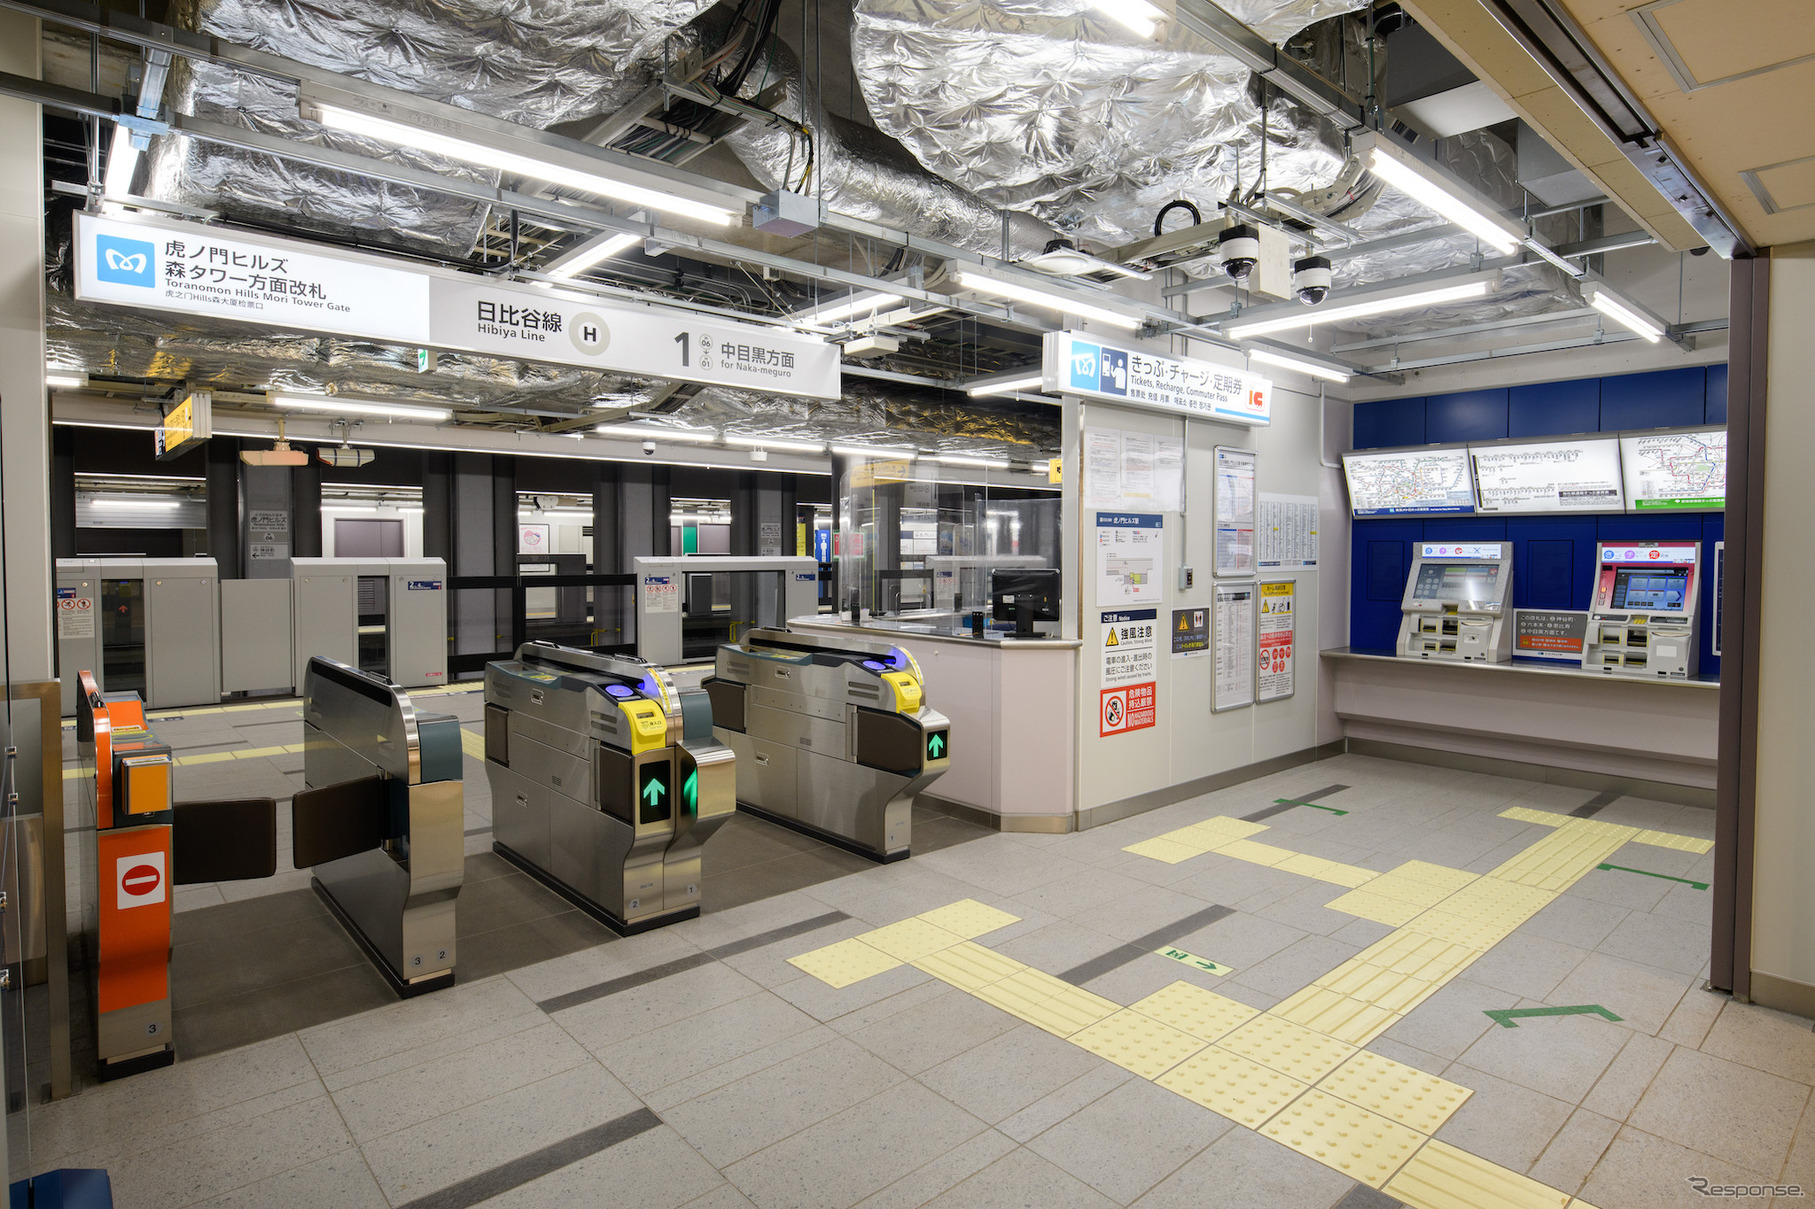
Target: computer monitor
point(1024, 595)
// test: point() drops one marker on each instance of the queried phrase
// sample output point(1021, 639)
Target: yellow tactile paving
point(1162, 849)
point(968, 966)
point(206, 757)
point(1046, 1002)
point(1217, 830)
point(1419, 884)
point(1336, 1015)
point(1191, 1009)
point(1233, 1086)
point(1334, 872)
point(969, 918)
point(1255, 853)
point(1440, 1176)
point(1137, 1042)
point(1682, 843)
point(1454, 929)
point(1288, 1047)
point(910, 940)
point(473, 745)
point(1380, 908)
point(1396, 1091)
point(1544, 818)
point(1362, 1145)
point(839, 965)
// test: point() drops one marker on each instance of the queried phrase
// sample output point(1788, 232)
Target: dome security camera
point(1311, 279)
point(649, 447)
point(1238, 248)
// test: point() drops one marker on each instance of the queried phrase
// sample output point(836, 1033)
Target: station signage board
point(192, 269)
point(1087, 367)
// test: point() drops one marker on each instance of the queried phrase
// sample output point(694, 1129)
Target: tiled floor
point(697, 1065)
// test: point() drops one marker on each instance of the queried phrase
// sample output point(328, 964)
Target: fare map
point(1681, 470)
point(1384, 484)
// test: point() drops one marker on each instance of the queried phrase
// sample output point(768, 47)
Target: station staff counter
point(832, 735)
point(607, 781)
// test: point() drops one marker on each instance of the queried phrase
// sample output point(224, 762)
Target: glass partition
point(914, 545)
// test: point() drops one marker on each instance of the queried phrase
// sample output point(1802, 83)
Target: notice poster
point(1232, 638)
point(1558, 634)
point(1133, 470)
point(533, 539)
point(662, 593)
point(1130, 546)
point(1234, 511)
point(1121, 710)
point(1277, 631)
point(1190, 633)
point(1285, 532)
point(1130, 639)
point(75, 614)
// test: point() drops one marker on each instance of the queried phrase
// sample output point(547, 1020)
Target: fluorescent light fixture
point(1005, 386)
point(876, 451)
point(369, 508)
point(779, 445)
point(65, 381)
point(1299, 317)
point(632, 433)
point(846, 308)
point(590, 253)
point(1626, 314)
point(1066, 305)
point(145, 503)
point(566, 175)
point(956, 459)
point(1138, 15)
point(122, 162)
point(1313, 368)
point(359, 407)
point(1436, 189)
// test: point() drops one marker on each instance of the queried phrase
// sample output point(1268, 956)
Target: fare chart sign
point(1077, 365)
point(193, 269)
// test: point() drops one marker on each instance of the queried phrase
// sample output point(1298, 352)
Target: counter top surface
point(908, 631)
point(1521, 667)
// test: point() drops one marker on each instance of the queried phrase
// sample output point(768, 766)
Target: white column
point(25, 445)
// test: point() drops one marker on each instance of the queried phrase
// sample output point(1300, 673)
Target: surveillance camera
point(1238, 248)
point(648, 446)
point(1311, 279)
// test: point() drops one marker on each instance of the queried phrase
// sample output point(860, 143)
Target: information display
point(1651, 589)
point(1552, 476)
point(1409, 481)
point(1457, 583)
point(1676, 471)
point(1234, 511)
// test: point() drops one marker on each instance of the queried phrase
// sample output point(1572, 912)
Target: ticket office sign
point(1076, 365)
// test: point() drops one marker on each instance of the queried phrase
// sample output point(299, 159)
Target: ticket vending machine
point(1643, 619)
point(1455, 604)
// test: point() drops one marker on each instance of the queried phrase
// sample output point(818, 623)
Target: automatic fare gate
point(136, 841)
point(606, 781)
point(381, 821)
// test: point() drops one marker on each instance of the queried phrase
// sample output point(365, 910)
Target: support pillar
point(223, 505)
point(63, 492)
point(305, 510)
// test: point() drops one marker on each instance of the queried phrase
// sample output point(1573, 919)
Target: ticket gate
point(607, 781)
point(381, 821)
point(135, 841)
point(832, 735)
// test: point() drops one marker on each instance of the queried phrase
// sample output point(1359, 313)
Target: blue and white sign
point(425, 585)
point(1075, 365)
point(125, 261)
point(822, 545)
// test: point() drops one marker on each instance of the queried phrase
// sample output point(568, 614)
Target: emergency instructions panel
point(1455, 603)
point(1643, 619)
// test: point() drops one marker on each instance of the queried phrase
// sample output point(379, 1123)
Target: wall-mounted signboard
point(1409, 481)
point(1676, 471)
point(1580, 475)
point(1085, 366)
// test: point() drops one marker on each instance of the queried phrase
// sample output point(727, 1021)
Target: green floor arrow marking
point(1312, 805)
point(1664, 876)
point(1193, 960)
point(1504, 1017)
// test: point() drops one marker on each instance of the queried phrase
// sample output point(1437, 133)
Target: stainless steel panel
point(714, 769)
point(128, 1031)
point(372, 889)
point(789, 698)
point(520, 810)
point(562, 769)
point(797, 730)
point(22, 873)
point(860, 804)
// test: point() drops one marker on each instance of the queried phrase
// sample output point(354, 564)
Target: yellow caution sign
point(1111, 640)
point(648, 725)
point(907, 692)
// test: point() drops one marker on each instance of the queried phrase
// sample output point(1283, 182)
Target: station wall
point(1553, 556)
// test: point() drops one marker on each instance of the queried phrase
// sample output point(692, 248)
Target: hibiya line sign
point(191, 269)
point(1077, 365)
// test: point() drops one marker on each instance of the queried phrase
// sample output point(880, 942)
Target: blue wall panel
point(1553, 556)
point(1473, 415)
point(1671, 398)
point(1386, 423)
point(1555, 409)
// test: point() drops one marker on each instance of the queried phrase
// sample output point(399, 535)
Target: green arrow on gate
point(1504, 1017)
point(935, 747)
point(654, 791)
point(690, 792)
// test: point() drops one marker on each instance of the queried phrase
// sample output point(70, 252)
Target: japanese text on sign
point(1130, 641)
point(1273, 654)
point(1125, 709)
point(1074, 365)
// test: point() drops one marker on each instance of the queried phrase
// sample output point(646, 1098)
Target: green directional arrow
point(690, 792)
point(935, 747)
point(1505, 1016)
point(1312, 805)
point(654, 791)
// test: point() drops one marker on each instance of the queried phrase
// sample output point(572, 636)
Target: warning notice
point(1130, 639)
point(75, 614)
point(1190, 632)
point(1126, 709)
point(1278, 627)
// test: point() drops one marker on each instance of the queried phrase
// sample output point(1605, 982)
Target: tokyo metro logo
point(125, 261)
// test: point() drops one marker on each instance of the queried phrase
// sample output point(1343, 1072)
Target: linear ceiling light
point(957, 459)
point(774, 443)
point(65, 381)
point(892, 452)
point(359, 407)
point(1138, 15)
point(590, 253)
point(1064, 304)
point(1626, 313)
point(1314, 368)
point(661, 197)
point(846, 308)
point(1299, 317)
point(146, 503)
point(1436, 189)
point(1005, 386)
point(634, 433)
point(371, 508)
point(122, 162)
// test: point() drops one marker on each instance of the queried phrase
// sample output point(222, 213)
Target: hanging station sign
point(191, 269)
point(1076, 365)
